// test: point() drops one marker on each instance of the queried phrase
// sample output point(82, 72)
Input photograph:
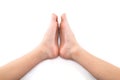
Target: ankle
point(77, 52)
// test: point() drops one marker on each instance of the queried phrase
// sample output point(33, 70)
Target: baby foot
point(68, 43)
point(50, 42)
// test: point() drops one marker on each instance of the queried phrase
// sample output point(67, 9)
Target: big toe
point(64, 22)
point(54, 17)
point(63, 17)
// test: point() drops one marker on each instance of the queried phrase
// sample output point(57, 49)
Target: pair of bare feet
point(68, 49)
point(68, 43)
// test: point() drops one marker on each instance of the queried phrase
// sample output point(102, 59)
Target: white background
point(95, 24)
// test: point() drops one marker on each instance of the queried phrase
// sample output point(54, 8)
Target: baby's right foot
point(68, 43)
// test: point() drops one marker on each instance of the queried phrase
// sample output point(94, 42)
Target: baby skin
point(69, 49)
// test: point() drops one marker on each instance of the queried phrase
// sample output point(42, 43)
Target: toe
point(54, 17)
point(63, 17)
